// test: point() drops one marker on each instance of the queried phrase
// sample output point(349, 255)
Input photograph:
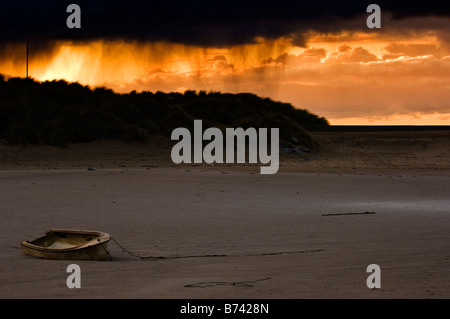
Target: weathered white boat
point(69, 244)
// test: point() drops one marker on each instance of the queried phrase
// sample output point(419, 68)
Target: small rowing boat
point(69, 244)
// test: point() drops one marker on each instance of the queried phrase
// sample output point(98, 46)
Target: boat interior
point(62, 240)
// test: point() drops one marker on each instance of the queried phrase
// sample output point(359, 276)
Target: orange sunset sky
point(396, 75)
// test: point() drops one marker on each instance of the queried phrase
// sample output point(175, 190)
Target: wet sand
point(270, 232)
point(229, 232)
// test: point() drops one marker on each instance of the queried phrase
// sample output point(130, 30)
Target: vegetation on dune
point(58, 113)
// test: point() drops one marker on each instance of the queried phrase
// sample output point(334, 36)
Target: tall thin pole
point(27, 60)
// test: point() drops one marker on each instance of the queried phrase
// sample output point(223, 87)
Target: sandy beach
point(309, 231)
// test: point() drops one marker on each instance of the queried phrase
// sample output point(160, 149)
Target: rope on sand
point(216, 255)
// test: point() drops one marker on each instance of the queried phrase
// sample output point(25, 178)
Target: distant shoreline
point(375, 128)
point(338, 151)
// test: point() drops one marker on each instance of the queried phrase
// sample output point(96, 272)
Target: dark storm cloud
point(205, 23)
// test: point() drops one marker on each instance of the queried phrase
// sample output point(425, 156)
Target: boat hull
point(69, 245)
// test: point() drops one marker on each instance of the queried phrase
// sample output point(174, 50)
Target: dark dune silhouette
point(58, 113)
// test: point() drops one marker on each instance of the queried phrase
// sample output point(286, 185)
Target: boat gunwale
point(100, 239)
